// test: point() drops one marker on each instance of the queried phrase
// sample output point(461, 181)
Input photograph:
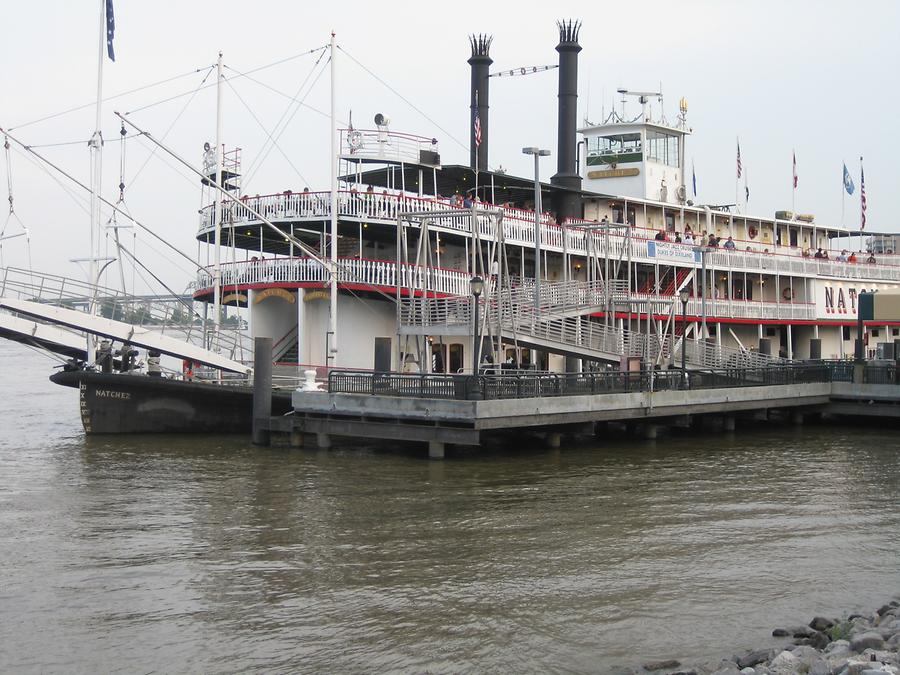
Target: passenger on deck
point(852, 258)
point(819, 254)
point(688, 238)
point(871, 259)
point(729, 244)
point(843, 256)
point(677, 238)
point(661, 235)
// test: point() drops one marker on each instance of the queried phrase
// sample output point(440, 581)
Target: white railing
point(515, 315)
point(386, 146)
point(519, 230)
point(381, 273)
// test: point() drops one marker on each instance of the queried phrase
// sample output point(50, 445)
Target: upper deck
point(577, 237)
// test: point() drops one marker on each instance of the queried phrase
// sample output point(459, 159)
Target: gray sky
point(811, 76)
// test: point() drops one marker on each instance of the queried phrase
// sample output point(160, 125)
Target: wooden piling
point(262, 389)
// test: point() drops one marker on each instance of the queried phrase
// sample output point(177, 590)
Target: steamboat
point(406, 264)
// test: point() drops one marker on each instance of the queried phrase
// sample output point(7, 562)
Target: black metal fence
point(531, 385)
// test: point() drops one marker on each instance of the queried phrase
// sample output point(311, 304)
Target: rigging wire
point(404, 99)
point(213, 84)
point(109, 98)
point(171, 126)
point(79, 142)
point(103, 199)
point(272, 141)
point(12, 215)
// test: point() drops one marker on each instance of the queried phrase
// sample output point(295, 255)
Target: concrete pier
point(462, 421)
point(435, 450)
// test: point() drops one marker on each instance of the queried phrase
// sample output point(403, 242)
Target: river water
point(207, 554)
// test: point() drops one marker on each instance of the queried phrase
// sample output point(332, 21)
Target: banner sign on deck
point(664, 250)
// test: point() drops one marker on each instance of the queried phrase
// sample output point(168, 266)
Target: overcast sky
point(815, 77)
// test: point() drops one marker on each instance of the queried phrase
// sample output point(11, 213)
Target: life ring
point(787, 294)
point(753, 232)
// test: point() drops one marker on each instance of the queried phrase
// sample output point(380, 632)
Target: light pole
point(476, 285)
point(683, 296)
point(538, 153)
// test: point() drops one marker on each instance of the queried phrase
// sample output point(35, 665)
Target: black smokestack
point(569, 205)
point(480, 61)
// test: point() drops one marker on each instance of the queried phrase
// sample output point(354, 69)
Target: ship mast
point(96, 146)
point(332, 342)
point(217, 263)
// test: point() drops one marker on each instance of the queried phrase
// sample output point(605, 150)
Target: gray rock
point(725, 667)
point(819, 640)
point(781, 632)
point(838, 647)
point(753, 658)
point(884, 609)
point(784, 664)
point(820, 623)
point(668, 664)
point(801, 631)
point(893, 643)
point(820, 667)
point(867, 640)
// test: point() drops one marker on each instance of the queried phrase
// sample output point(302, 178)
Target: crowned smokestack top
point(568, 206)
point(481, 62)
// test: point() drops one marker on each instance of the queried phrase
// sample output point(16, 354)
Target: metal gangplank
point(52, 312)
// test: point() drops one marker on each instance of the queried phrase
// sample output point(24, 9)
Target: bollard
point(262, 389)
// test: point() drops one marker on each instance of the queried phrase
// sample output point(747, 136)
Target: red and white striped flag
point(795, 170)
point(862, 195)
point(477, 130)
point(740, 168)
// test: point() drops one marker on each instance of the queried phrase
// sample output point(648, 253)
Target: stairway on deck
point(561, 324)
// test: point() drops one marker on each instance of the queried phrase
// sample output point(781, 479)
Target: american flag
point(862, 195)
point(795, 170)
point(740, 168)
point(477, 130)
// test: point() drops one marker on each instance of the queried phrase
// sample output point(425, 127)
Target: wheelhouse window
point(662, 148)
point(618, 149)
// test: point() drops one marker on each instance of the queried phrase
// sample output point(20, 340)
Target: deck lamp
point(683, 296)
point(476, 285)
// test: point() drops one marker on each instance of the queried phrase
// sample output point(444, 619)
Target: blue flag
point(694, 179)
point(110, 30)
point(848, 182)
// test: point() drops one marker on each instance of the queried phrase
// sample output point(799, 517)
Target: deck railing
point(527, 385)
point(574, 237)
point(352, 271)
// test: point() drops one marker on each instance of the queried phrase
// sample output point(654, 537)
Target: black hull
point(112, 403)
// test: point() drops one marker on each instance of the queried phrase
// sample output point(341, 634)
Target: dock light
point(683, 296)
point(476, 285)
